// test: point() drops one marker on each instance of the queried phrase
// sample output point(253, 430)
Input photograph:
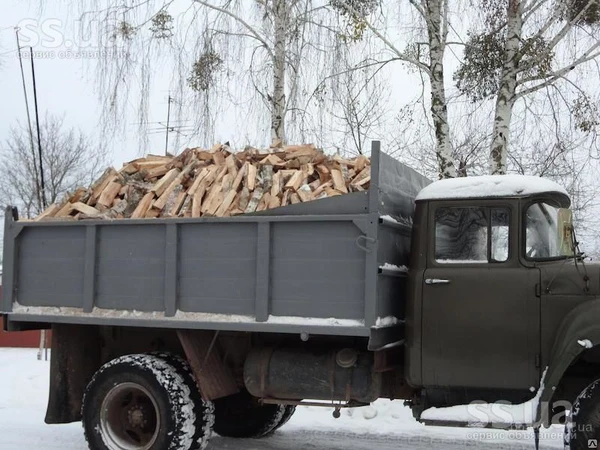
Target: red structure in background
point(19, 339)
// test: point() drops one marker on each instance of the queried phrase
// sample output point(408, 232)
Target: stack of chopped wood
point(214, 182)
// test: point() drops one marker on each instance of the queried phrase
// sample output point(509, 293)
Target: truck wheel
point(583, 425)
point(138, 402)
point(287, 415)
point(243, 416)
point(203, 410)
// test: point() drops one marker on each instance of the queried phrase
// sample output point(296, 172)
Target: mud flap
point(75, 357)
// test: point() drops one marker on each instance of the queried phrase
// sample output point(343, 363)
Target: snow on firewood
point(214, 183)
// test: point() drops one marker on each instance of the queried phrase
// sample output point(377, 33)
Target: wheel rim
point(129, 418)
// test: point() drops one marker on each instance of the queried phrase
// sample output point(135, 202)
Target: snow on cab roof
point(489, 186)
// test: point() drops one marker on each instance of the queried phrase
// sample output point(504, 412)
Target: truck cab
point(494, 286)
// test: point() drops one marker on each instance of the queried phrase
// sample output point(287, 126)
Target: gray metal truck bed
point(323, 267)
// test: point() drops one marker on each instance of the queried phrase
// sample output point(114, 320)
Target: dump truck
point(466, 298)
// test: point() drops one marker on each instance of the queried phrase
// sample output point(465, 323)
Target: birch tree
point(226, 53)
point(525, 48)
point(434, 18)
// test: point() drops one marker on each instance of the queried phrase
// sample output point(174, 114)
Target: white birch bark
point(507, 92)
point(435, 14)
point(278, 104)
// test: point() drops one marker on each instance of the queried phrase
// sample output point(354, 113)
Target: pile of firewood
point(214, 182)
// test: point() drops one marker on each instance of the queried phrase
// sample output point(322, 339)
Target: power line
point(37, 182)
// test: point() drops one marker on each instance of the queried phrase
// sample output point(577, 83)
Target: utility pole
point(35, 173)
point(37, 122)
point(168, 119)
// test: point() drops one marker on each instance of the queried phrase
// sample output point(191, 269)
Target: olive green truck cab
point(466, 298)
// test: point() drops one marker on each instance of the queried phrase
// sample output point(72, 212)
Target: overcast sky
point(64, 68)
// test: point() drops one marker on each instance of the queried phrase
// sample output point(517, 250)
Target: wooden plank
point(213, 376)
point(321, 188)
point(143, 206)
point(276, 187)
point(110, 192)
point(305, 193)
point(165, 182)
point(50, 211)
point(338, 181)
point(253, 203)
point(272, 160)
point(324, 172)
point(240, 176)
point(157, 171)
point(85, 209)
point(219, 158)
point(296, 180)
point(266, 174)
point(215, 202)
point(199, 177)
point(360, 163)
point(244, 198)
point(294, 198)
point(129, 169)
point(197, 202)
point(363, 181)
point(177, 205)
point(227, 201)
point(231, 163)
point(251, 177)
point(101, 183)
point(65, 210)
point(366, 172)
point(286, 197)
point(264, 202)
point(274, 202)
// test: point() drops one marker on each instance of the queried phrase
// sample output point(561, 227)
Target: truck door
point(481, 315)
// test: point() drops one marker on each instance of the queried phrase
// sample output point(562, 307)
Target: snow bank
point(385, 425)
point(481, 414)
point(488, 186)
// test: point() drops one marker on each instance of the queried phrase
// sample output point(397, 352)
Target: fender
point(580, 323)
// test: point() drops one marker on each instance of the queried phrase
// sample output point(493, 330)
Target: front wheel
point(582, 430)
point(138, 402)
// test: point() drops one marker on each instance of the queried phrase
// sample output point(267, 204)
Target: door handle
point(436, 281)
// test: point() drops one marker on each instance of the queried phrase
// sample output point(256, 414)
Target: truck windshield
point(546, 235)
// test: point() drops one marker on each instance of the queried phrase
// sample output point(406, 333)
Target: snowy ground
point(384, 426)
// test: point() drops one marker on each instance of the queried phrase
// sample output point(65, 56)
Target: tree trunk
point(278, 106)
point(507, 89)
point(437, 43)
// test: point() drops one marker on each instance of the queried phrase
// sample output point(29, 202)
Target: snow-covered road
point(384, 426)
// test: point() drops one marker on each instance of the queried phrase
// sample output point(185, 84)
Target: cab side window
point(471, 235)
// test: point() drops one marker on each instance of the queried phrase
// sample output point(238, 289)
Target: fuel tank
point(343, 374)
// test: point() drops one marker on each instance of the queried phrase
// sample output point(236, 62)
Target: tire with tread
point(583, 424)
point(287, 415)
point(204, 411)
point(136, 396)
point(242, 416)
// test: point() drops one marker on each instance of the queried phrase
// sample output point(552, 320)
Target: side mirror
point(565, 232)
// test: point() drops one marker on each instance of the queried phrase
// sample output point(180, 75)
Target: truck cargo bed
point(330, 266)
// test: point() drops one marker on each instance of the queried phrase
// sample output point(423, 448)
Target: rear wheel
point(583, 426)
point(243, 416)
point(287, 415)
point(138, 402)
point(203, 410)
